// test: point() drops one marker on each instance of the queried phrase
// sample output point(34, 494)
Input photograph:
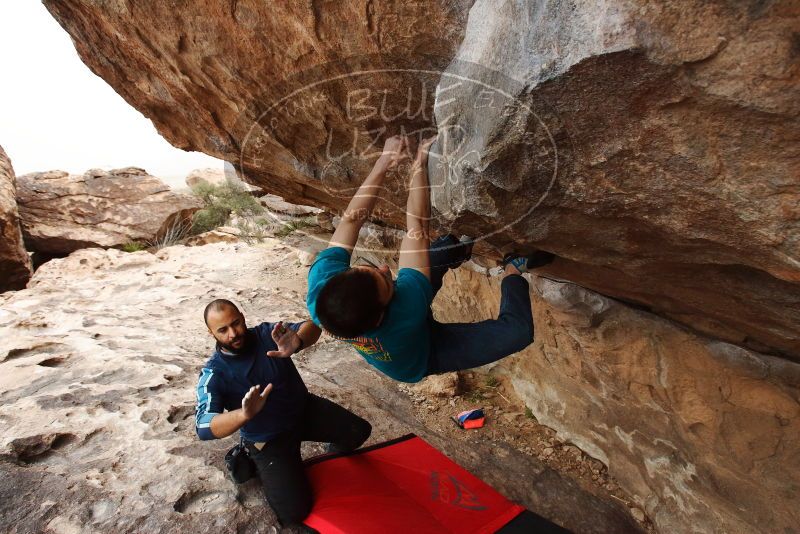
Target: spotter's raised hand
point(285, 339)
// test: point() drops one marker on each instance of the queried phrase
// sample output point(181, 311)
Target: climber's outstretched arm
point(414, 248)
point(362, 203)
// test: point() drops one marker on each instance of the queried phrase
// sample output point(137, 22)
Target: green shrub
point(133, 246)
point(264, 222)
point(222, 201)
point(290, 226)
point(208, 218)
point(253, 230)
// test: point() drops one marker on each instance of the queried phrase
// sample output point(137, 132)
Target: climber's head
point(355, 300)
point(226, 323)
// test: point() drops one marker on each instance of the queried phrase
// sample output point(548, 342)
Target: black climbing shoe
point(468, 243)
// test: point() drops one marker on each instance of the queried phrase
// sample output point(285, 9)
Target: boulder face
point(651, 146)
point(62, 213)
point(703, 433)
point(15, 263)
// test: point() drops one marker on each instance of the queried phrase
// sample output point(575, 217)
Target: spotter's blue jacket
point(225, 379)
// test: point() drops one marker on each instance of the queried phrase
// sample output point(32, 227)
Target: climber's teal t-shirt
point(400, 346)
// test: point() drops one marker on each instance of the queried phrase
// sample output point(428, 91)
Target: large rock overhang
point(676, 184)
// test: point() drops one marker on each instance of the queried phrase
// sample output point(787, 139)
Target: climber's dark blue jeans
point(458, 346)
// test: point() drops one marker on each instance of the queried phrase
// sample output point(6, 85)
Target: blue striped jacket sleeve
point(209, 402)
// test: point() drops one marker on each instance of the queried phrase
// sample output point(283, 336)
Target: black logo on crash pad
point(447, 489)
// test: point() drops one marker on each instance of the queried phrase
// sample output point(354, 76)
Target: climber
point(251, 374)
point(389, 322)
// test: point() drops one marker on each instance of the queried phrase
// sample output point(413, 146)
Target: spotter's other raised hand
point(253, 401)
point(285, 339)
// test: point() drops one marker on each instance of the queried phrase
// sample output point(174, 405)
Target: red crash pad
point(404, 485)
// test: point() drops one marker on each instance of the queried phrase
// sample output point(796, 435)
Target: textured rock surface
point(15, 264)
point(99, 359)
point(277, 205)
point(205, 176)
point(703, 434)
point(61, 213)
point(675, 131)
point(671, 128)
point(215, 177)
point(223, 234)
point(446, 385)
point(208, 72)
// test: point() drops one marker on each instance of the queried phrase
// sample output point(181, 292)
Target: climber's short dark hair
point(349, 304)
point(217, 305)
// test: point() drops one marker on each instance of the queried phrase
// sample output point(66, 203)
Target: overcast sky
point(56, 114)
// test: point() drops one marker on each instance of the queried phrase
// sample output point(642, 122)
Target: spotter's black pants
point(280, 466)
